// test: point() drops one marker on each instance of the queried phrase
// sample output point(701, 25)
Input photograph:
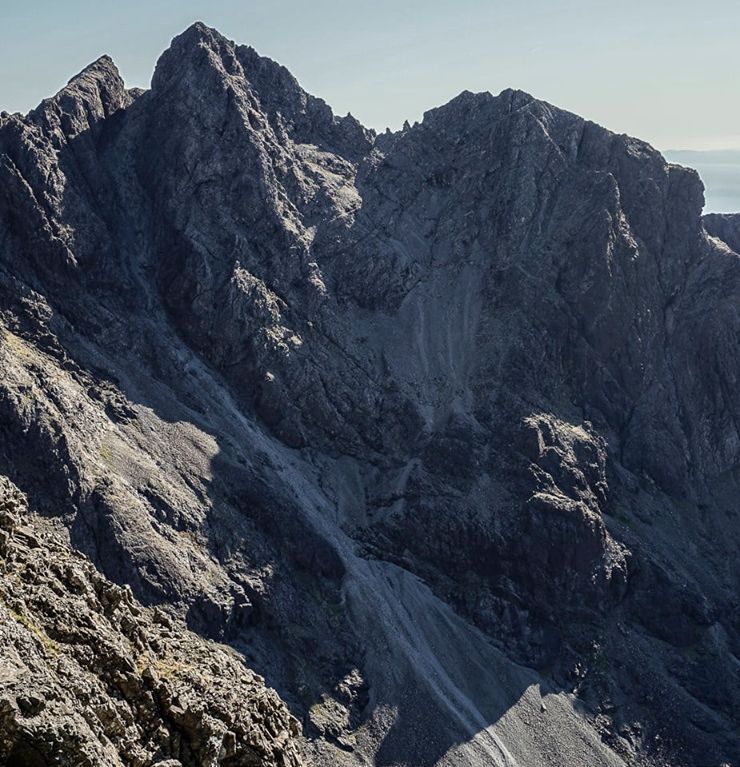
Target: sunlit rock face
point(434, 433)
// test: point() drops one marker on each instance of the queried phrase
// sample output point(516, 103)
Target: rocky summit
point(322, 447)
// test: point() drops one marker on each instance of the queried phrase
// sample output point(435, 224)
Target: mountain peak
point(90, 96)
point(197, 35)
point(198, 45)
point(103, 66)
point(200, 30)
point(201, 65)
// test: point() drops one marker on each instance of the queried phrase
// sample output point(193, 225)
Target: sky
point(665, 71)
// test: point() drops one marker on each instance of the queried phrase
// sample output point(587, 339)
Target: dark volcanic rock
point(91, 677)
point(726, 226)
point(428, 426)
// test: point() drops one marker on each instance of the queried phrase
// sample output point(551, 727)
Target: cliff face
point(438, 430)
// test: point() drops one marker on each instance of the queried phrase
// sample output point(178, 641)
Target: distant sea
point(720, 172)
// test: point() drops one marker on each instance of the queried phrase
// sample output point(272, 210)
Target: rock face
point(91, 677)
point(726, 226)
point(436, 430)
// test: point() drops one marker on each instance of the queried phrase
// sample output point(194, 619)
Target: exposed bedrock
point(436, 431)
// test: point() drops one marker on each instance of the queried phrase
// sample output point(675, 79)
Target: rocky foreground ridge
point(435, 431)
point(91, 677)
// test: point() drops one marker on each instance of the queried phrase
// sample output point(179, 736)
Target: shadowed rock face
point(438, 430)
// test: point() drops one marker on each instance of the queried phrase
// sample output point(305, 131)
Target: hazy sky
point(666, 71)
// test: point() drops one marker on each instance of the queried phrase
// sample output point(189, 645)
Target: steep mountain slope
point(438, 430)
